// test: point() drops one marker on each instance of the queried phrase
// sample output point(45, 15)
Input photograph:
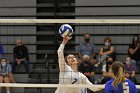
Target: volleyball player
point(69, 73)
point(119, 84)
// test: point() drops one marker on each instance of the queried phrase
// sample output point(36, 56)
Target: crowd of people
point(74, 72)
point(8, 67)
point(91, 60)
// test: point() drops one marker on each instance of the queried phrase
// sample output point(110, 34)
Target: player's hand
point(66, 39)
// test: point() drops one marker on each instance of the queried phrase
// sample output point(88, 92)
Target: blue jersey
point(1, 49)
point(110, 89)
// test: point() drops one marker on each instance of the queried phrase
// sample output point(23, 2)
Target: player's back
point(130, 87)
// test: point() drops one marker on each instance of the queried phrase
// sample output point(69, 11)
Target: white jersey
point(68, 76)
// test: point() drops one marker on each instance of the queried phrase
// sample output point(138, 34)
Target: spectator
point(134, 50)
point(5, 73)
point(106, 51)
point(106, 70)
point(130, 70)
point(20, 56)
point(87, 48)
point(87, 69)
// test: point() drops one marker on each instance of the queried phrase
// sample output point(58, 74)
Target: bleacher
point(44, 38)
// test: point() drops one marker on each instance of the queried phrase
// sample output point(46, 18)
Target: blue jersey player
point(119, 84)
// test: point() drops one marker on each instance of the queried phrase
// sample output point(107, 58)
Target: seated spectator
point(106, 70)
point(130, 70)
point(134, 50)
point(106, 51)
point(5, 73)
point(87, 48)
point(21, 57)
point(87, 69)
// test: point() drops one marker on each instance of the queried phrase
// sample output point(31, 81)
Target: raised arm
point(61, 59)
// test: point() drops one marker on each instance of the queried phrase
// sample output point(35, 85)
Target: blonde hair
point(118, 70)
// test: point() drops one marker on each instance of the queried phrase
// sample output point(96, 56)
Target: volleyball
point(65, 30)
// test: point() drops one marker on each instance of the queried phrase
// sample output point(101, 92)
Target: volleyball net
point(36, 31)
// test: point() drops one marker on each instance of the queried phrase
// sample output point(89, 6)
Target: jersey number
point(126, 90)
point(75, 80)
point(125, 87)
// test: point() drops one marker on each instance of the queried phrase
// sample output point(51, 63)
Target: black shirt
point(86, 67)
point(21, 52)
point(106, 49)
point(136, 55)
